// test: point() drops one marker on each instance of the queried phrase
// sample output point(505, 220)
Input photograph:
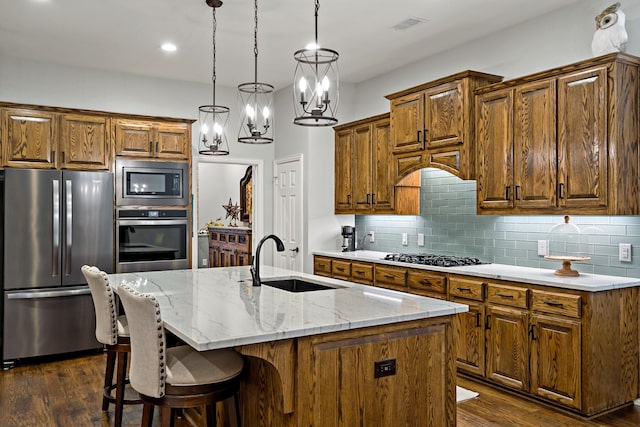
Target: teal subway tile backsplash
point(450, 225)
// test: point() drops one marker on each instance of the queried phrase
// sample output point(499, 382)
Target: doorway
point(288, 212)
point(217, 182)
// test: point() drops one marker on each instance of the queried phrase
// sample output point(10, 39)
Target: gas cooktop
point(433, 259)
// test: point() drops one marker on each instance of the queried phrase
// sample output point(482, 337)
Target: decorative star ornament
point(233, 212)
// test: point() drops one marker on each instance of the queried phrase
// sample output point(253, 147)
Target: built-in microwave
point(147, 183)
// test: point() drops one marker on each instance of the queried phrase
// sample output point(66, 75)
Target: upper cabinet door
point(582, 139)
point(343, 172)
point(29, 138)
point(362, 166)
point(382, 170)
point(172, 141)
point(407, 118)
point(85, 142)
point(444, 115)
point(535, 145)
point(134, 138)
point(494, 139)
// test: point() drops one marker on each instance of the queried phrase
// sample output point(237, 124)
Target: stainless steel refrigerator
point(54, 222)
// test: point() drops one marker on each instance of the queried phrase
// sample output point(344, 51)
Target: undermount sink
point(296, 285)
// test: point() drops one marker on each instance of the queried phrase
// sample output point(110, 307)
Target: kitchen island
point(344, 356)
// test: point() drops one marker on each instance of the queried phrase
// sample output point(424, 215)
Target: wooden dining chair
point(112, 330)
point(177, 377)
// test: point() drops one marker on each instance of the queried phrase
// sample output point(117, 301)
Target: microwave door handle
point(55, 218)
point(69, 220)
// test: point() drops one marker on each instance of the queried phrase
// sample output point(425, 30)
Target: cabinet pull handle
point(532, 332)
point(424, 138)
point(388, 276)
point(359, 272)
point(368, 198)
point(419, 138)
point(53, 157)
point(554, 304)
point(348, 199)
point(517, 192)
point(488, 324)
point(506, 192)
point(150, 146)
point(425, 282)
point(63, 158)
point(373, 198)
point(560, 188)
point(505, 296)
point(157, 146)
point(464, 289)
point(340, 268)
point(478, 320)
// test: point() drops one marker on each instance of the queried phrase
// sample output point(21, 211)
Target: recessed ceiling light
point(408, 23)
point(169, 47)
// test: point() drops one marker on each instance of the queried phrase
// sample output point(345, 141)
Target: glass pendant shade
point(213, 118)
point(256, 102)
point(315, 84)
point(213, 122)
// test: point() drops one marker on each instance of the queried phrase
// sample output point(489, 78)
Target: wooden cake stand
point(566, 269)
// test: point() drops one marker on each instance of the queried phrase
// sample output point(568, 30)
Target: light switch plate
point(420, 239)
point(405, 239)
point(372, 237)
point(624, 252)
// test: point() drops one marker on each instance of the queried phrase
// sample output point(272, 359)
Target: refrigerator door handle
point(47, 294)
point(69, 227)
point(56, 228)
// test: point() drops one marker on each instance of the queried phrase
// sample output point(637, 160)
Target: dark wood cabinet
point(571, 348)
point(152, 139)
point(432, 125)
point(229, 246)
point(561, 141)
point(364, 181)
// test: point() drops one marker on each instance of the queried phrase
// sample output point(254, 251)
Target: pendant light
point(213, 118)
point(256, 101)
point(315, 87)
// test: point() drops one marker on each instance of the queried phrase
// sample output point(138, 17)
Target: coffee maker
point(348, 238)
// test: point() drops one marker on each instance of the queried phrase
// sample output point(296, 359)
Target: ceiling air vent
point(408, 23)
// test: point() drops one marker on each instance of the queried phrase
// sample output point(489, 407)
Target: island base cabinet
point(336, 383)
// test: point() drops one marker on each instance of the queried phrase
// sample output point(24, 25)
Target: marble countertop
point(213, 308)
point(537, 276)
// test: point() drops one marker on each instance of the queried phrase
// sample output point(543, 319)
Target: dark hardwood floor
point(69, 392)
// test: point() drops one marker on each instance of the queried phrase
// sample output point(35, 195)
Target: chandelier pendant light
point(256, 102)
point(315, 87)
point(213, 118)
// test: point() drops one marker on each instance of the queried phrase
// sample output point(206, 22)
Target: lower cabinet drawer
point(322, 266)
point(556, 303)
point(341, 268)
point(426, 281)
point(461, 287)
point(511, 296)
point(362, 272)
point(393, 277)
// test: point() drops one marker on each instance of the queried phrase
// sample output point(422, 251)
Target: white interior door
point(288, 212)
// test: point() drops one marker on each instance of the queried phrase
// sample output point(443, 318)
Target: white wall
point(552, 40)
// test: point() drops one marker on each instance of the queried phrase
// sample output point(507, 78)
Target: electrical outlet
point(543, 247)
point(624, 252)
point(420, 239)
point(372, 237)
point(204, 262)
point(405, 239)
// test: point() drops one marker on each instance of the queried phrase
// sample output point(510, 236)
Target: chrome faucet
point(255, 268)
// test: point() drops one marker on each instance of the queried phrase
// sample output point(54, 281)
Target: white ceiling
point(125, 35)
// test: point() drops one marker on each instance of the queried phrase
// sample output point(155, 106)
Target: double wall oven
point(152, 219)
